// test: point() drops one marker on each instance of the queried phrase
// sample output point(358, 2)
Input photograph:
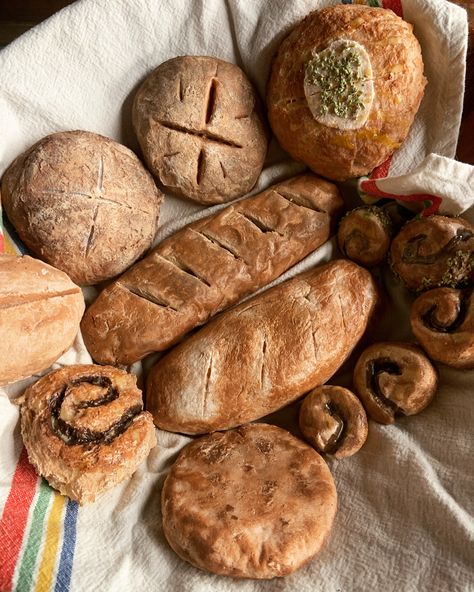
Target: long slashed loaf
point(264, 353)
point(207, 266)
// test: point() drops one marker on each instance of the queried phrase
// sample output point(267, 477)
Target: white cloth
point(405, 500)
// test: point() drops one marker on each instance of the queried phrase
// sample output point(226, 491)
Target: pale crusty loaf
point(40, 311)
point(254, 502)
point(83, 203)
point(199, 126)
point(264, 353)
point(207, 266)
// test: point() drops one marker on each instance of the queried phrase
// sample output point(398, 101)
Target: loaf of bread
point(344, 89)
point(207, 266)
point(83, 203)
point(40, 311)
point(199, 125)
point(264, 353)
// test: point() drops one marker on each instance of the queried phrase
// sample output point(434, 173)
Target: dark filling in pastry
point(364, 244)
point(411, 251)
point(72, 435)
point(430, 321)
point(336, 439)
point(374, 369)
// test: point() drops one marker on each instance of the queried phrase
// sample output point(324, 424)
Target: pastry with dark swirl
point(442, 320)
point(434, 252)
point(364, 235)
point(394, 379)
point(334, 421)
point(85, 429)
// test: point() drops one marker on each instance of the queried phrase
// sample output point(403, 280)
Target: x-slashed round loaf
point(254, 502)
point(198, 122)
point(83, 203)
point(85, 429)
point(345, 86)
point(263, 354)
point(40, 311)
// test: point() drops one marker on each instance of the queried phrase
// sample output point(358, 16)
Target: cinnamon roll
point(364, 235)
point(394, 379)
point(85, 429)
point(434, 252)
point(442, 320)
point(333, 421)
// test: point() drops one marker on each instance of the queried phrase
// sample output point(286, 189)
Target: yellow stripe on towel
point(50, 550)
point(10, 248)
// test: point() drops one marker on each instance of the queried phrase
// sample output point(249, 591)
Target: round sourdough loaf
point(254, 502)
point(198, 123)
point(83, 203)
point(344, 89)
point(40, 312)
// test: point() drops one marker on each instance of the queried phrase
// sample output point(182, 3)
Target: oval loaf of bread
point(264, 353)
point(207, 266)
point(40, 312)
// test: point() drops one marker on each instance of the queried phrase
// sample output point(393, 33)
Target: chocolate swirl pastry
point(364, 235)
point(394, 379)
point(442, 320)
point(85, 429)
point(434, 252)
point(333, 421)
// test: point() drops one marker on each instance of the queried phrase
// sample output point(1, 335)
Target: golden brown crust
point(84, 429)
point(397, 67)
point(207, 266)
point(442, 320)
point(83, 203)
point(394, 379)
point(40, 311)
point(333, 421)
point(364, 235)
point(254, 502)
point(434, 251)
point(264, 353)
point(198, 123)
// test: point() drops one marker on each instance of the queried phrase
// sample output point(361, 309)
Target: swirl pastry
point(394, 379)
point(84, 429)
point(434, 252)
point(254, 502)
point(442, 320)
point(364, 235)
point(333, 421)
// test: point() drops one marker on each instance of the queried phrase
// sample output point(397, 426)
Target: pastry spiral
point(442, 320)
point(85, 429)
point(333, 421)
point(394, 379)
point(434, 252)
point(364, 235)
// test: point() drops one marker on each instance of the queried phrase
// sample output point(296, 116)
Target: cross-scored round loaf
point(198, 123)
point(83, 203)
point(254, 502)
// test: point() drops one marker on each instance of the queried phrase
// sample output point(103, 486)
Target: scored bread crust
point(207, 266)
point(264, 353)
point(83, 471)
point(83, 203)
point(399, 84)
point(254, 502)
point(200, 129)
point(40, 311)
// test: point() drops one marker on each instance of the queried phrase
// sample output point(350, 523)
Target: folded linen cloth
point(405, 504)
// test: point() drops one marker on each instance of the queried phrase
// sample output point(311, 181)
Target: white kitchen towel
point(405, 500)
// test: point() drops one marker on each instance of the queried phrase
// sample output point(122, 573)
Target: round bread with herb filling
point(254, 502)
point(344, 89)
point(85, 429)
